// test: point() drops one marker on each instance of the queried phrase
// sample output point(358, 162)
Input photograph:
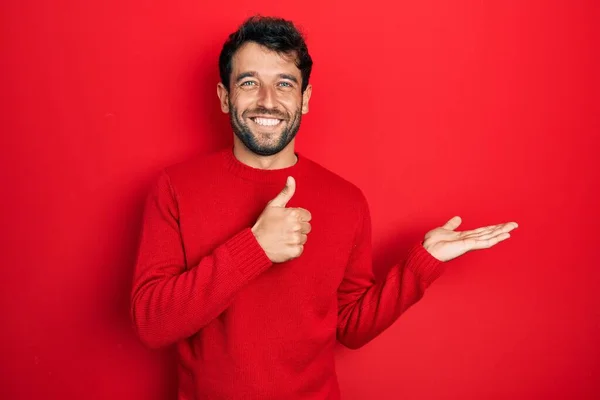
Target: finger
point(508, 225)
point(500, 229)
point(301, 227)
point(505, 228)
point(303, 239)
point(478, 232)
point(296, 251)
point(296, 238)
point(285, 195)
point(305, 227)
point(303, 214)
point(477, 244)
point(453, 223)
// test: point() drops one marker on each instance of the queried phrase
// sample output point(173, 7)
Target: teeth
point(266, 121)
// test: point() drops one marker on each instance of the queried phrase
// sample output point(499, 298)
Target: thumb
point(285, 195)
point(453, 223)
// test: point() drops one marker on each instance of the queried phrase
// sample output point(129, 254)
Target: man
point(253, 260)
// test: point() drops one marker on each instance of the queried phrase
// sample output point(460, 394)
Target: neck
point(284, 159)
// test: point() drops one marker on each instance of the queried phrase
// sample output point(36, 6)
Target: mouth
point(266, 122)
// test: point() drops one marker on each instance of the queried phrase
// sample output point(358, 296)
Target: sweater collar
point(262, 175)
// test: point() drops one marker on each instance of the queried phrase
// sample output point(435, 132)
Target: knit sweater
point(247, 328)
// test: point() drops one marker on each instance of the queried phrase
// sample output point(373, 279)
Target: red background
point(487, 110)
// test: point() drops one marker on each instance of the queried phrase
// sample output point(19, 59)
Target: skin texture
point(282, 232)
point(266, 88)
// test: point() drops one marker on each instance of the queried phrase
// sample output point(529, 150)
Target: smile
point(266, 121)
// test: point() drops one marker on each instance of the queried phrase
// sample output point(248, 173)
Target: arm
point(367, 308)
point(170, 303)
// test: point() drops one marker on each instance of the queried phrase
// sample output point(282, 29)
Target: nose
point(266, 97)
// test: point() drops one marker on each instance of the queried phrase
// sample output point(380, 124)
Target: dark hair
point(276, 34)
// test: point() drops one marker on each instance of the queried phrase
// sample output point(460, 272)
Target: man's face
point(265, 100)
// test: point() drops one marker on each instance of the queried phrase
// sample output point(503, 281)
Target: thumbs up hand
point(280, 231)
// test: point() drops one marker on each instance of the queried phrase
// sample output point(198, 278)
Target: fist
point(280, 231)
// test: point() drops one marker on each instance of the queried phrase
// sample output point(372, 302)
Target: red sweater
point(246, 328)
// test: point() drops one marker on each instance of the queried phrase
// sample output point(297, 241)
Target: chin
point(265, 148)
point(267, 139)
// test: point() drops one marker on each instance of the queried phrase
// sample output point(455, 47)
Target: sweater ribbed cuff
point(246, 253)
point(425, 266)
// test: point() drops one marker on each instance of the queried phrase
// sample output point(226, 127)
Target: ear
point(306, 98)
point(223, 94)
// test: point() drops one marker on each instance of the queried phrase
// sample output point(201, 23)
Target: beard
point(255, 141)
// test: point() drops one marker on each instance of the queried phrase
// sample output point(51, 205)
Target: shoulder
point(335, 186)
point(186, 176)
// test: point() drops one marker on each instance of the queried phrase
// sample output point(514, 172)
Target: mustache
point(265, 111)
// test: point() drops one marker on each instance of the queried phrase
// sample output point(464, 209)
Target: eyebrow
point(254, 74)
point(245, 75)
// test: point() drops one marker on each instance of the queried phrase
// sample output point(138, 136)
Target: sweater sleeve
point(169, 301)
point(365, 307)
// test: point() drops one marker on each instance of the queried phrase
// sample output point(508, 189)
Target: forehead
point(254, 57)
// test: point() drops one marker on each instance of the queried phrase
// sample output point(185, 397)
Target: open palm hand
point(445, 243)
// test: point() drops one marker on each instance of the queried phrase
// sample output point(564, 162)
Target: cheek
point(291, 103)
point(240, 100)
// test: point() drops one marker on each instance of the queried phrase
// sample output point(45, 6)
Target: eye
point(247, 83)
point(285, 84)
